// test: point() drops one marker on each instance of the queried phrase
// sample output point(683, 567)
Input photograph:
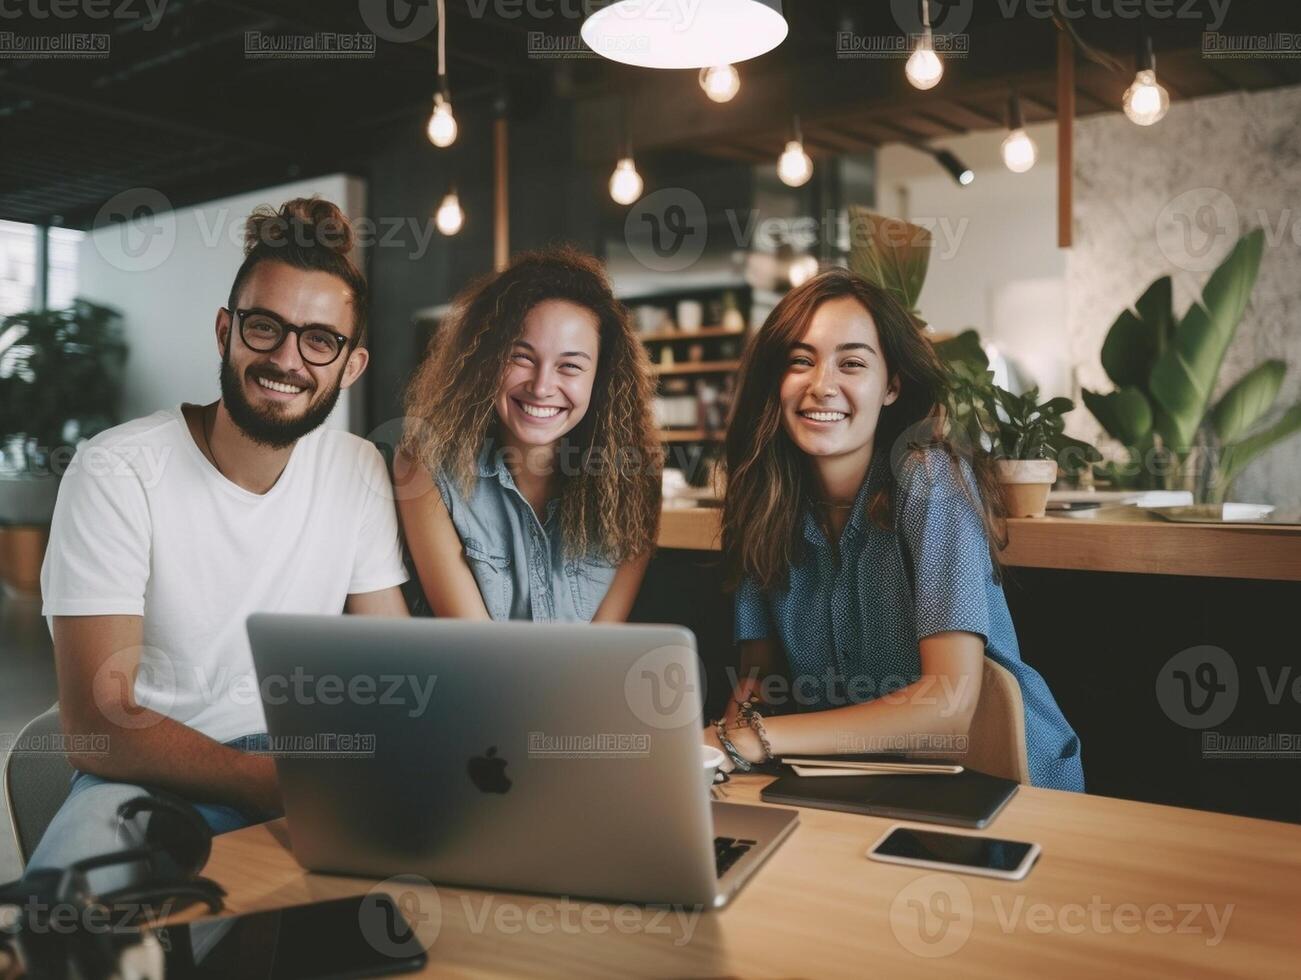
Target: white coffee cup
point(713, 761)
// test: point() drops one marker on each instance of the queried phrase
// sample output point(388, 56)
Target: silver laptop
point(550, 758)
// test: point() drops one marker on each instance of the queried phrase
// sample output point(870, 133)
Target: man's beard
point(266, 426)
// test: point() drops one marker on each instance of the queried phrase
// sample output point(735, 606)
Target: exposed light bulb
point(1146, 101)
point(924, 68)
point(794, 166)
point(625, 183)
point(966, 177)
point(442, 124)
point(802, 269)
point(721, 83)
point(449, 217)
point(1019, 151)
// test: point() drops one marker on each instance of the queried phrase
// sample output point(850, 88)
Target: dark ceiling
point(178, 105)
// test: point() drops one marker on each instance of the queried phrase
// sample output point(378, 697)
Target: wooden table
point(1125, 540)
point(1122, 890)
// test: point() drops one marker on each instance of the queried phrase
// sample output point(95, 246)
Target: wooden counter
point(1126, 540)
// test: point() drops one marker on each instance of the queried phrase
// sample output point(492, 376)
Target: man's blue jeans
point(87, 824)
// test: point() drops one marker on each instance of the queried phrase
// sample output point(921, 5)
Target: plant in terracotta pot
point(1024, 435)
point(1030, 443)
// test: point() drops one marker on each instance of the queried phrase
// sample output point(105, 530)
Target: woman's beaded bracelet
point(738, 760)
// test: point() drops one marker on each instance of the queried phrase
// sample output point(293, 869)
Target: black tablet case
point(969, 799)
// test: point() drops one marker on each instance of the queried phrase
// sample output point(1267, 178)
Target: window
point(61, 281)
point(17, 267)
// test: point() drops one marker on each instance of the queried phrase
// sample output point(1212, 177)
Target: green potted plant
point(1024, 436)
point(1165, 369)
point(60, 383)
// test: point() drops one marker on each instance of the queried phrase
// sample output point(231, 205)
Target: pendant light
point(449, 217)
point(1019, 151)
point(721, 82)
point(924, 68)
point(625, 183)
point(441, 129)
point(1146, 100)
point(685, 35)
point(794, 166)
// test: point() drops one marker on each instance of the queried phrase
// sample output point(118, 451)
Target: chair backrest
point(996, 742)
point(37, 777)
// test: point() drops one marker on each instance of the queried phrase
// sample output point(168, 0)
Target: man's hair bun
point(304, 222)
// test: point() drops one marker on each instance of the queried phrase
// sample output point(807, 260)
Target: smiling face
point(548, 382)
point(276, 397)
point(836, 382)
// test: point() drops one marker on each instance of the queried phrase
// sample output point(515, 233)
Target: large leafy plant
point(890, 252)
point(1165, 370)
point(60, 381)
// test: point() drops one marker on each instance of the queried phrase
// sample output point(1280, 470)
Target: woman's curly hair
point(610, 462)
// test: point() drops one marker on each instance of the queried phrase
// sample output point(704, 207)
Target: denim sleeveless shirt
point(518, 560)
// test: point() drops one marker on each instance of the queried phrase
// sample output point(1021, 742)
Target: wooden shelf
point(689, 435)
point(657, 336)
point(696, 367)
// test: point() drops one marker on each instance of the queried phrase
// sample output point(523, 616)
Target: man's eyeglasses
point(263, 331)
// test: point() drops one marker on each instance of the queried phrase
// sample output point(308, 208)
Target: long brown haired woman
point(859, 540)
point(531, 419)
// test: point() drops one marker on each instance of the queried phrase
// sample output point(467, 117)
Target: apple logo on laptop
point(488, 772)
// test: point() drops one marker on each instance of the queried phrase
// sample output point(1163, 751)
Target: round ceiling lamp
point(655, 34)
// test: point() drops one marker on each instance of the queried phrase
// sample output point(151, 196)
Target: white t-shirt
point(146, 526)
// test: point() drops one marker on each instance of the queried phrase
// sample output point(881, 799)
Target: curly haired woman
point(531, 418)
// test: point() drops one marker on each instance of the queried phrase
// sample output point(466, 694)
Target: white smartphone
point(963, 853)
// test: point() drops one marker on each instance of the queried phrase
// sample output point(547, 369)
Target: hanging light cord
point(1089, 51)
point(442, 45)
